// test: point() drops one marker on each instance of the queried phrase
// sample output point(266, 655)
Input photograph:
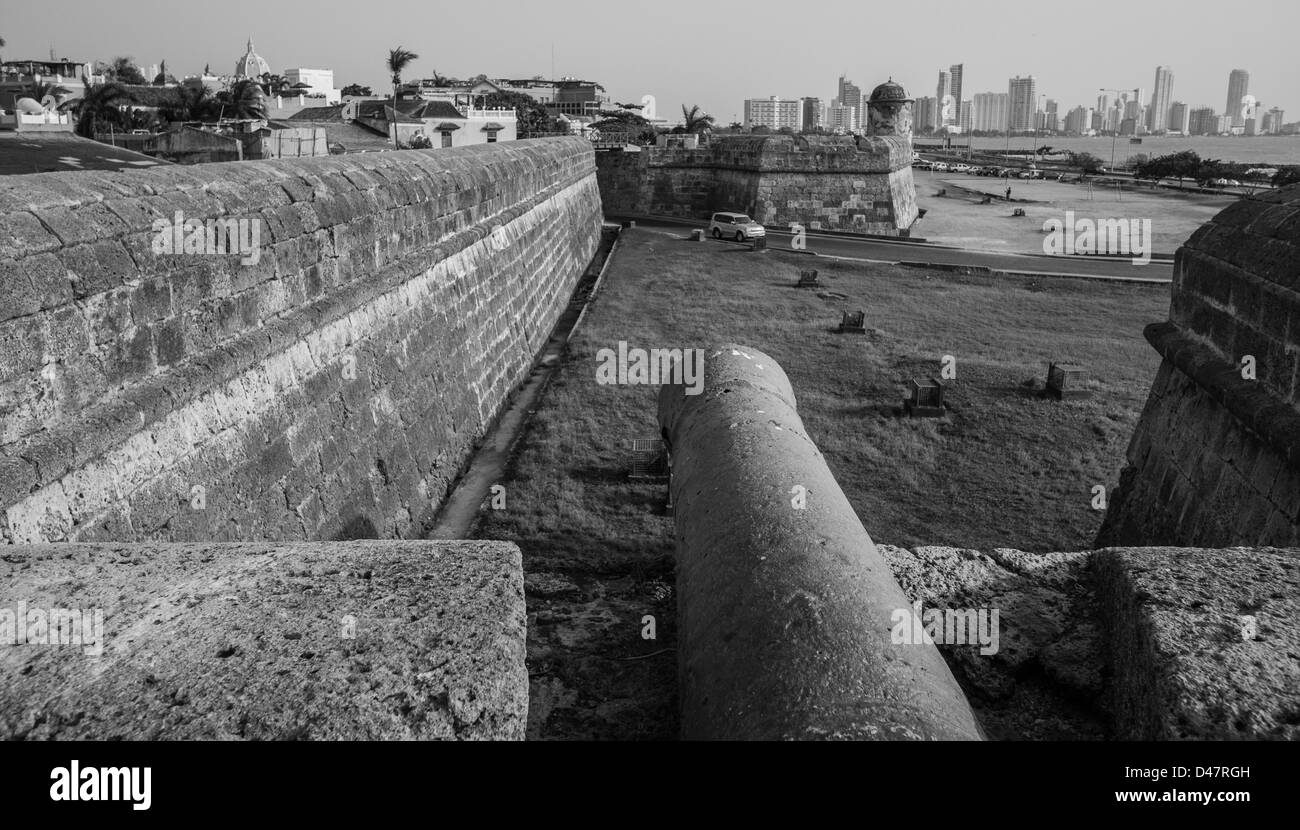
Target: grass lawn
point(1005, 469)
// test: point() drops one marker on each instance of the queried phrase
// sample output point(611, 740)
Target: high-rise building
point(1104, 114)
point(1022, 98)
point(1202, 121)
point(1161, 96)
point(850, 95)
point(923, 113)
point(1051, 120)
point(774, 112)
point(955, 72)
point(1114, 113)
point(1133, 102)
point(947, 101)
point(1273, 121)
point(812, 112)
point(1079, 120)
point(841, 119)
point(1178, 118)
point(990, 111)
point(965, 123)
point(1238, 87)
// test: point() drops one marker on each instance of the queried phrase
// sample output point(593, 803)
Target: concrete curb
point(595, 286)
point(786, 613)
point(984, 270)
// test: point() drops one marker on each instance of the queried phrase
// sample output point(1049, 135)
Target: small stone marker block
point(853, 322)
point(1066, 382)
point(1018, 212)
point(697, 235)
point(649, 459)
point(759, 244)
point(926, 400)
point(808, 279)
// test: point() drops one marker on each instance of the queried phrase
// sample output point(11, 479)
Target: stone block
point(1184, 661)
point(22, 234)
point(324, 641)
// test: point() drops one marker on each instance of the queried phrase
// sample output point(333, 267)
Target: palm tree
point(190, 102)
point(695, 120)
point(244, 99)
point(38, 91)
point(124, 71)
point(398, 60)
point(273, 84)
point(101, 103)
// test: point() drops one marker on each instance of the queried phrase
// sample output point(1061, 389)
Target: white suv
point(735, 226)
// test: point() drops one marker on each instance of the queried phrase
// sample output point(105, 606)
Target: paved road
point(885, 250)
point(51, 152)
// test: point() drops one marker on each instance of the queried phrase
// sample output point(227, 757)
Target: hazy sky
point(714, 54)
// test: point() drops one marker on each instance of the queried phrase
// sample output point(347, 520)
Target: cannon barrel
point(785, 607)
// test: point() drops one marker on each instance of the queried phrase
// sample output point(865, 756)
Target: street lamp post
point(1114, 134)
point(1040, 115)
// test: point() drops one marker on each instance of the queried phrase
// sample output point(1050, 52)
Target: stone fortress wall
point(821, 182)
point(1215, 459)
point(331, 389)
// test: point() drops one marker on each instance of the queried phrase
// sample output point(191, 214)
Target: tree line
point(1189, 165)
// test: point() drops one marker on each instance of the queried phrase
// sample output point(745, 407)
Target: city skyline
point(679, 64)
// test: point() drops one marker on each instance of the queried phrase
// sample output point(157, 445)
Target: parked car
point(735, 226)
point(961, 167)
point(1030, 174)
point(941, 165)
point(922, 164)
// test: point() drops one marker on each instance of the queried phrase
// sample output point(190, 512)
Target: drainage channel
point(487, 466)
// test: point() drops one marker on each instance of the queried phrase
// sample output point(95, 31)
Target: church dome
point(251, 65)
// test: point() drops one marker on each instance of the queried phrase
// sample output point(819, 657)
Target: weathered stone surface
point(863, 187)
point(1222, 424)
point(403, 328)
point(785, 608)
point(327, 641)
point(1181, 666)
point(1044, 681)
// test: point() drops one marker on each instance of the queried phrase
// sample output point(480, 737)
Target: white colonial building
point(317, 84)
